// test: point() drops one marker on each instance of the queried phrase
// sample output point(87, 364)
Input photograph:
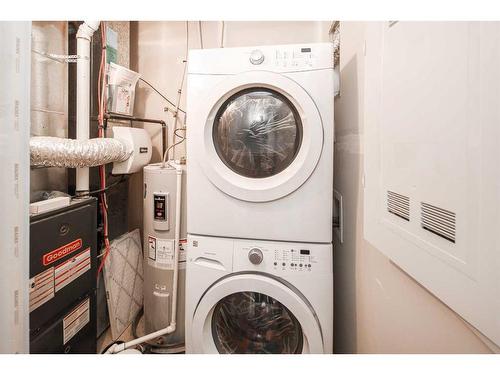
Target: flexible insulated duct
point(71, 153)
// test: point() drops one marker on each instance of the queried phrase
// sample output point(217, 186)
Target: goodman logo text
point(61, 252)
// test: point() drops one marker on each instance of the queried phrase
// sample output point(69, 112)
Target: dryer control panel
point(278, 58)
point(295, 57)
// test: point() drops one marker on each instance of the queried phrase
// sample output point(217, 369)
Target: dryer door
point(252, 313)
point(263, 136)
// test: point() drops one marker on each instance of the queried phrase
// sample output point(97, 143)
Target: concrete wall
point(378, 308)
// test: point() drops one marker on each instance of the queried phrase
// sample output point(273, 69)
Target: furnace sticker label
point(41, 288)
point(76, 320)
point(72, 269)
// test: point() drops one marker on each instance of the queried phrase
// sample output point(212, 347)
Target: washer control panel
point(282, 258)
point(296, 259)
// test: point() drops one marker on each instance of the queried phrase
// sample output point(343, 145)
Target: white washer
point(260, 142)
point(247, 296)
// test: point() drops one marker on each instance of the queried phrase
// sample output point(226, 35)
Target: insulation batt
point(71, 153)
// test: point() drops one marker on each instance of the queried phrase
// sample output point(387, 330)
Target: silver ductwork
point(71, 153)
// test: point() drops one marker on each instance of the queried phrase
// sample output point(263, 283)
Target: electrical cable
point(159, 93)
point(172, 146)
point(93, 192)
point(101, 85)
point(123, 179)
point(179, 96)
point(135, 322)
point(180, 129)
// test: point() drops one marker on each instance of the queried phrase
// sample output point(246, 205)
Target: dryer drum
point(257, 132)
point(250, 322)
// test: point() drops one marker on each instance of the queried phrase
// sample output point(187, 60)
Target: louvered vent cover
point(439, 221)
point(398, 205)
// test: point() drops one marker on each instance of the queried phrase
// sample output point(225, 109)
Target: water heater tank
point(159, 233)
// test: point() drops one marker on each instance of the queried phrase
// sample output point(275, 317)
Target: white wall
point(157, 52)
point(378, 308)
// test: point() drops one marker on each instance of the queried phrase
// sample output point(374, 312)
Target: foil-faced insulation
point(71, 153)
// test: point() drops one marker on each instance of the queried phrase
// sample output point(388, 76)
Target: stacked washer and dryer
point(259, 200)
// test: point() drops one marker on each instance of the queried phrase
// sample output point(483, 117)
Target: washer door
point(263, 136)
point(251, 313)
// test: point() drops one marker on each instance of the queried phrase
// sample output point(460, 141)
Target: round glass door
point(251, 322)
point(257, 132)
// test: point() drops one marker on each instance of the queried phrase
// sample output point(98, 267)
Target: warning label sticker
point(165, 253)
point(72, 269)
point(152, 248)
point(161, 253)
point(76, 320)
point(182, 253)
point(41, 288)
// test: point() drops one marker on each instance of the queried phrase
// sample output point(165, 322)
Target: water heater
point(160, 191)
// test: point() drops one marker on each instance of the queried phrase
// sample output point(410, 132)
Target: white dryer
point(260, 142)
point(245, 296)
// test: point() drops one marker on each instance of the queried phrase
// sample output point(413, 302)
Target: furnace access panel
point(62, 285)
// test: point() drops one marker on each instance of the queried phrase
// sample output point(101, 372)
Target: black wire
point(159, 93)
point(135, 322)
point(179, 136)
point(123, 179)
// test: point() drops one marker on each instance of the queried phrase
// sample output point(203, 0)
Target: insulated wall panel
point(15, 40)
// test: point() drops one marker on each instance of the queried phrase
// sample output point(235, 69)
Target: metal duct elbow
point(71, 153)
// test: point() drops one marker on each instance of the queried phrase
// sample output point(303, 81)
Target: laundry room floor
point(105, 339)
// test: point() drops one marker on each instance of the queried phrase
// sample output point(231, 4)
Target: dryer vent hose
point(72, 153)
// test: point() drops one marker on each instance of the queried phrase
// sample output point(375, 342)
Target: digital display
point(305, 50)
point(159, 208)
point(304, 252)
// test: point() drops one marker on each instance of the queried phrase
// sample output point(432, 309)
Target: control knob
point(255, 256)
point(256, 57)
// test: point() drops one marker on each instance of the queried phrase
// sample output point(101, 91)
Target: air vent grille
point(439, 221)
point(398, 205)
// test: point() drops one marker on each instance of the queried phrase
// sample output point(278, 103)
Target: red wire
point(102, 175)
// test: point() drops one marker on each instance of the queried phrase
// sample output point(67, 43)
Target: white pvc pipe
point(83, 44)
point(173, 320)
point(39, 83)
point(178, 203)
point(15, 39)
